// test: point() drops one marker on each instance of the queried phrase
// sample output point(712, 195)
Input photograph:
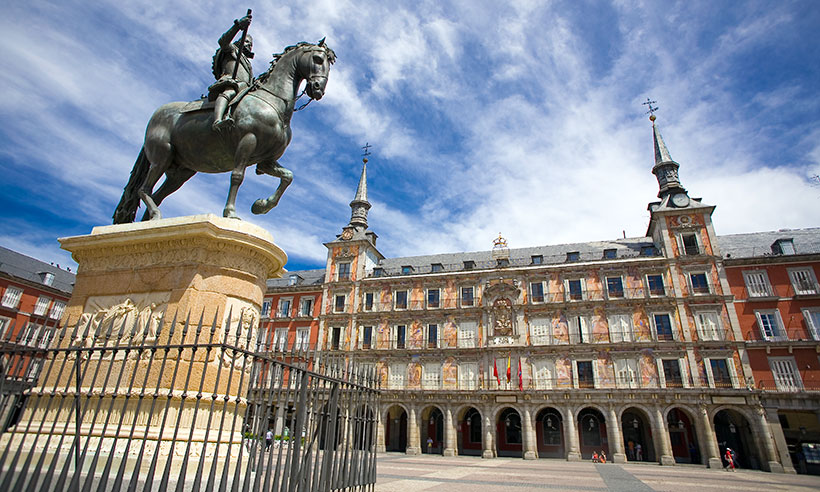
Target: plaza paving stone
point(398, 473)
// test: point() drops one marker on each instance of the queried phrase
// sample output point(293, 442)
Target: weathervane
point(652, 109)
point(366, 152)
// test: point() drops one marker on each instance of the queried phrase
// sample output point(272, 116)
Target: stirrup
point(222, 125)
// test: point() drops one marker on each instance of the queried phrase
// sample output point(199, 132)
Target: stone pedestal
point(203, 267)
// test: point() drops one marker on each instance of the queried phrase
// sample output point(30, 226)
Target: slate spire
point(665, 169)
point(359, 206)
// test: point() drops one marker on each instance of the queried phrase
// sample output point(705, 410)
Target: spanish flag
point(495, 371)
point(509, 370)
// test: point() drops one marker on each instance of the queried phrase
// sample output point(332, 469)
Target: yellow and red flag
point(509, 370)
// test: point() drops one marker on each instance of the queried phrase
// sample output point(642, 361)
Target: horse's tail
point(127, 209)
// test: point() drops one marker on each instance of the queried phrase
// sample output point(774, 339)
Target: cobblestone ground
point(401, 473)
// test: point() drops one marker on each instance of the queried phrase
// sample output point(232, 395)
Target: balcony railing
point(804, 289)
point(405, 343)
point(785, 385)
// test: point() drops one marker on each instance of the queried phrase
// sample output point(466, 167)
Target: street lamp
point(635, 423)
point(732, 428)
point(680, 424)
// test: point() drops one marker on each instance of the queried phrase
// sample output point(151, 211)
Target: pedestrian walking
point(730, 461)
point(268, 439)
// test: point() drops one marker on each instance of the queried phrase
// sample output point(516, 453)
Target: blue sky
point(524, 119)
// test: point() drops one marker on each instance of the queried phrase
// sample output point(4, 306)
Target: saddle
point(203, 103)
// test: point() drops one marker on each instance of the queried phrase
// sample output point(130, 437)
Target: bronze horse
point(180, 143)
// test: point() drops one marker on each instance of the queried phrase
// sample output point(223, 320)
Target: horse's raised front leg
point(264, 205)
point(244, 150)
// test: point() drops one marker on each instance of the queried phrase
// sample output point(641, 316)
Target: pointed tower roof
point(359, 206)
point(665, 169)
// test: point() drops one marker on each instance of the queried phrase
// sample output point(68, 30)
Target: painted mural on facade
point(449, 373)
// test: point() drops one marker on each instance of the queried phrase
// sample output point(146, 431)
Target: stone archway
point(683, 437)
point(432, 431)
point(637, 434)
point(510, 432)
point(733, 430)
point(395, 429)
point(470, 435)
point(592, 432)
point(549, 433)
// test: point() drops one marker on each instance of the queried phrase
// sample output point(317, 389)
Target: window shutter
point(761, 326)
point(709, 377)
point(574, 374)
point(684, 372)
point(730, 363)
point(615, 329)
point(781, 328)
point(812, 321)
point(595, 379)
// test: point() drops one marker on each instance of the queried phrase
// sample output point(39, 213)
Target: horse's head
point(314, 65)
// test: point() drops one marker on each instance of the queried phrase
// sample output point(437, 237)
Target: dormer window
point(293, 279)
point(378, 271)
point(436, 267)
point(610, 254)
point(406, 269)
point(537, 259)
point(573, 256)
point(783, 247)
point(47, 278)
point(648, 251)
point(469, 264)
point(502, 262)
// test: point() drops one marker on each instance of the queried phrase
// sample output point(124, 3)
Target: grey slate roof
point(553, 254)
point(306, 277)
point(29, 269)
point(806, 241)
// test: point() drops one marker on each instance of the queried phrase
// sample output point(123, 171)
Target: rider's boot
point(220, 106)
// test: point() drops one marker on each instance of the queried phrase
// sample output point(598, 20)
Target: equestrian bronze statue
point(181, 139)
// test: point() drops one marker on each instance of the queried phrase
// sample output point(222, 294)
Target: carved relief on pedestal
point(120, 320)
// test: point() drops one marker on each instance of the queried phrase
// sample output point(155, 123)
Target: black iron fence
point(188, 405)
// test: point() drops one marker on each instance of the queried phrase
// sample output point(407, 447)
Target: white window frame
point(620, 328)
point(786, 381)
point(427, 335)
point(778, 320)
point(654, 326)
point(467, 334)
point(41, 306)
point(691, 285)
point(427, 297)
point(543, 293)
point(394, 339)
point(626, 372)
point(57, 309)
point(540, 328)
point(339, 271)
point(684, 375)
point(266, 304)
point(567, 291)
point(730, 366)
point(431, 375)
point(280, 311)
point(576, 381)
point(663, 284)
point(396, 298)
point(681, 246)
point(30, 335)
point(335, 303)
point(809, 277)
point(12, 296)
point(302, 301)
point(580, 324)
point(461, 295)
point(757, 284)
point(397, 376)
point(705, 331)
point(5, 322)
point(468, 375)
point(543, 373)
point(372, 303)
point(811, 323)
point(302, 340)
point(280, 339)
point(623, 286)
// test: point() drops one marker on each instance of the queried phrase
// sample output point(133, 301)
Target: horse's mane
point(331, 57)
